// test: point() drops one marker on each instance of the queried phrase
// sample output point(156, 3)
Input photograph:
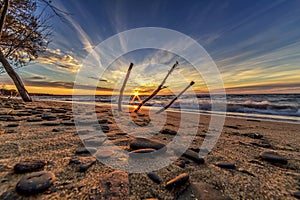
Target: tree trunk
point(10, 71)
point(16, 79)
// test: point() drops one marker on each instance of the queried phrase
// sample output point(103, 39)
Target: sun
point(136, 93)
point(135, 97)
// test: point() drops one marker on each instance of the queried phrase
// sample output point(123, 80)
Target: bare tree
point(24, 35)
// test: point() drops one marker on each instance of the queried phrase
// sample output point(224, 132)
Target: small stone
point(178, 181)
point(50, 124)
point(142, 143)
point(29, 166)
point(297, 194)
point(58, 111)
point(84, 162)
point(55, 130)
point(168, 132)
point(233, 127)
point(226, 165)
point(102, 121)
point(48, 117)
point(253, 135)
point(13, 125)
point(141, 151)
point(121, 133)
point(207, 192)
point(84, 150)
point(94, 142)
point(193, 156)
point(273, 157)
point(68, 123)
point(35, 182)
point(104, 128)
point(154, 177)
point(181, 163)
point(34, 120)
point(100, 154)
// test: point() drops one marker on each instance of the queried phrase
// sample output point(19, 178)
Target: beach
point(253, 159)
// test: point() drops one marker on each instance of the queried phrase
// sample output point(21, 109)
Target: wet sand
point(234, 169)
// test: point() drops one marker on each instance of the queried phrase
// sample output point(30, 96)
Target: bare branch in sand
point(123, 87)
point(159, 88)
point(175, 98)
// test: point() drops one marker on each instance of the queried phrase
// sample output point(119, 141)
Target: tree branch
point(160, 87)
point(123, 87)
point(173, 100)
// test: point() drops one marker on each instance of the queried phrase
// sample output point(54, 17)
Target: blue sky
point(255, 44)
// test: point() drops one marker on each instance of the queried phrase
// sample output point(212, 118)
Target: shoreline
point(261, 117)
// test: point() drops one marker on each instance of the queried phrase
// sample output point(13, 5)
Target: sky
point(255, 46)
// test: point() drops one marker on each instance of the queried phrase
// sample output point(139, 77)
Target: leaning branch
point(160, 87)
point(175, 98)
point(123, 87)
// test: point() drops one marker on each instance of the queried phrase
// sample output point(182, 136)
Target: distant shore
point(236, 168)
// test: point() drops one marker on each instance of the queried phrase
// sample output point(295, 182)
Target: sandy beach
point(42, 138)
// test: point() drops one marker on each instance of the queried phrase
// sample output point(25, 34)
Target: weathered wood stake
point(160, 87)
point(123, 87)
point(175, 98)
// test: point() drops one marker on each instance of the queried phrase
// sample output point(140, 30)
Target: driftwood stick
point(160, 87)
point(175, 98)
point(123, 87)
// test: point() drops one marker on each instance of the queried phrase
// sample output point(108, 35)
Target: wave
point(280, 105)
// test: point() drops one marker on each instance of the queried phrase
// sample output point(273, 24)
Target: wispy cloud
point(59, 59)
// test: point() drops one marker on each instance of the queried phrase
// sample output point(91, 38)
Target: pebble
point(264, 144)
point(104, 128)
point(181, 163)
point(94, 142)
point(100, 154)
point(168, 132)
point(193, 156)
point(142, 153)
point(253, 135)
point(154, 177)
point(68, 123)
point(84, 162)
point(35, 182)
point(34, 120)
point(84, 150)
point(226, 165)
point(48, 117)
point(147, 150)
point(29, 166)
point(102, 121)
point(233, 127)
point(142, 143)
point(13, 125)
point(6, 118)
point(297, 194)
point(58, 110)
point(178, 181)
point(23, 114)
point(50, 124)
point(273, 157)
point(204, 191)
